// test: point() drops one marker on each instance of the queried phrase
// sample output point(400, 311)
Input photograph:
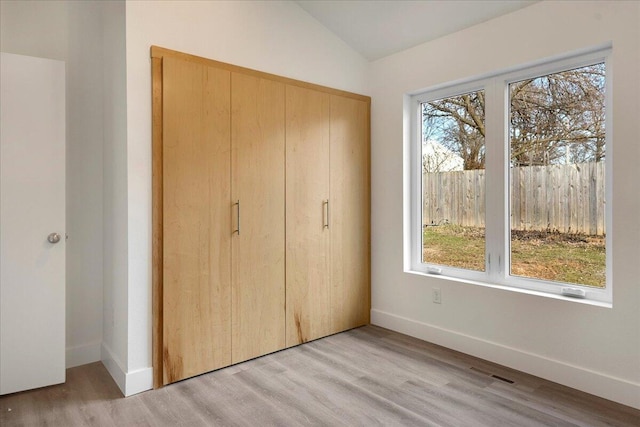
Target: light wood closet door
point(350, 213)
point(308, 299)
point(258, 248)
point(196, 219)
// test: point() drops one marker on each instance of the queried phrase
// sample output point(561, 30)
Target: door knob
point(53, 238)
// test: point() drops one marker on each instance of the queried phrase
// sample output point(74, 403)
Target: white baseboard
point(599, 384)
point(139, 380)
point(130, 383)
point(82, 354)
point(113, 365)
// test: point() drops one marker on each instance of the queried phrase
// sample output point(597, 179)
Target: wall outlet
point(437, 296)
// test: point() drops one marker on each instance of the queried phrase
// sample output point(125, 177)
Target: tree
point(554, 119)
point(458, 124)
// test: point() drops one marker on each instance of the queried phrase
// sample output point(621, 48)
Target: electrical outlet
point(437, 296)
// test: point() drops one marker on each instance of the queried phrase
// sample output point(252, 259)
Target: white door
point(32, 206)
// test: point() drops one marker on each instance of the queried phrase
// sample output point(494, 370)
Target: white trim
point(543, 294)
point(139, 380)
point(596, 383)
point(129, 383)
point(415, 178)
point(407, 181)
point(113, 365)
point(82, 354)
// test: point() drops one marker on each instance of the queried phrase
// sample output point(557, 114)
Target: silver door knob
point(53, 238)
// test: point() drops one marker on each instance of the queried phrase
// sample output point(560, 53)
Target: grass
point(548, 255)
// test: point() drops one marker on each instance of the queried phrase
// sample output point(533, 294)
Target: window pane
point(557, 149)
point(453, 189)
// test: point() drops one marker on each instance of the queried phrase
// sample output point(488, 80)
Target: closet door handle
point(325, 205)
point(237, 204)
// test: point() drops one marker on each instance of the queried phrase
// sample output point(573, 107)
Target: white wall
point(37, 28)
point(84, 182)
point(70, 31)
point(590, 348)
point(276, 37)
point(115, 263)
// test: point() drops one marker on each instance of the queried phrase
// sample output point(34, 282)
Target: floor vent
point(473, 368)
point(506, 380)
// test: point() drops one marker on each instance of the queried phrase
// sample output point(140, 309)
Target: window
point(510, 179)
point(453, 186)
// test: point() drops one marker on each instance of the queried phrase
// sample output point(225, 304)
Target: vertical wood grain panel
point(350, 213)
point(258, 250)
point(156, 221)
point(196, 220)
point(307, 238)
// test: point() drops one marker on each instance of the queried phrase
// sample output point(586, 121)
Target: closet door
point(307, 160)
point(258, 276)
point(350, 213)
point(196, 219)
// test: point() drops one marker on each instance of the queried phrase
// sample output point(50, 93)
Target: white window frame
point(497, 224)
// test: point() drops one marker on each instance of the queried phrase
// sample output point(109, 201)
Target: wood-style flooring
point(364, 377)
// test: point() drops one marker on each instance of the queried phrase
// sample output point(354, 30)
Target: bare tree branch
point(557, 118)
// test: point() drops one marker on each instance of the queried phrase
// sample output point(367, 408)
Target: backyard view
point(556, 179)
point(560, 257)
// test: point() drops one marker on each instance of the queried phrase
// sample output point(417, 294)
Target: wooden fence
point(567, 198)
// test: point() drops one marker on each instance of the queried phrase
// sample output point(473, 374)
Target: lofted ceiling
point(376, 29)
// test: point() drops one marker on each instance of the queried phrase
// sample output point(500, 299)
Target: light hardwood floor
point(367, 376)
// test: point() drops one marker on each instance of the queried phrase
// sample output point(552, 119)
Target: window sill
point(586, 301)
